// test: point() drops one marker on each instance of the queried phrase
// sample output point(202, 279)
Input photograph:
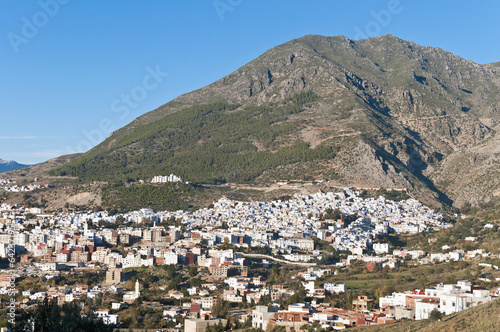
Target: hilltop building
point(164, 179)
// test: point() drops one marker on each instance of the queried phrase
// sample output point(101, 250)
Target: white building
point(381, 248)
point(133, 295)
point(164, 179)
point(456, 256)
point(106, 317)
point(309, 286)
point(171, 258)
point(423, 308)
point(261, 316)
point(335, 288)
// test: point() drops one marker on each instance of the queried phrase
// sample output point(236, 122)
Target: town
point(9, 185)
point(229, 253)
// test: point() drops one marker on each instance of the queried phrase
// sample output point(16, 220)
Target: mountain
point(378, 112)
point(10, 165)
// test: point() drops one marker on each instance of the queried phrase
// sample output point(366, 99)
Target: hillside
point(484, 318)
point(379, 112)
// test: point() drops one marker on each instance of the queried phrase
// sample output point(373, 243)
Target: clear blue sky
point(64, 69)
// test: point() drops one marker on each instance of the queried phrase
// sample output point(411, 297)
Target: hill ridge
point(10, 165)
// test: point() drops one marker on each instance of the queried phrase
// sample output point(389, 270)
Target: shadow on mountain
point(414, 134)
point(416, 168)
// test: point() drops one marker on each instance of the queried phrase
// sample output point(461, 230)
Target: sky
point(73, 71)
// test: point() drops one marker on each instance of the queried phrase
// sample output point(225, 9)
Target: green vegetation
point(49, 317)
point(213, 143)
point(435, 315)
point(221, 309)
point(485, 238)
point(167, 196)
point(485, 211)
point(393, 195)
point(384, 281)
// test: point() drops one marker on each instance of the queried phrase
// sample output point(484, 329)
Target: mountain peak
point(400, 115)
point(10, 165)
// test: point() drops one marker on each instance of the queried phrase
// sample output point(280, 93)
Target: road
point(277, 259)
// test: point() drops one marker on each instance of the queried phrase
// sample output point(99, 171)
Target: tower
point(113, 276)
point(137, 293)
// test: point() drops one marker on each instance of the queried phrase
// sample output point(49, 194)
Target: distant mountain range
point(10, 165)
point(379, 112)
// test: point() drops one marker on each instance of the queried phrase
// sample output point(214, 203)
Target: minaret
point(112, 263)
point(137, 293)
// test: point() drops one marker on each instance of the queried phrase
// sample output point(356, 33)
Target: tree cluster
point(204, 144)
point(50, 317)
